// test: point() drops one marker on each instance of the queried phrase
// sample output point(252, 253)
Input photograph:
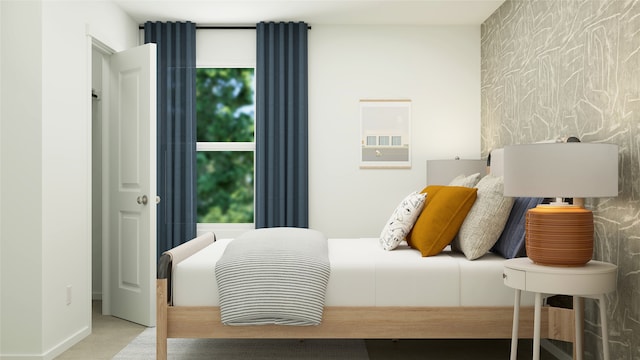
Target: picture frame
point(385, 134)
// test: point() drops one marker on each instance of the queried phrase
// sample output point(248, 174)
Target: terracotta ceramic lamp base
point(559, 235)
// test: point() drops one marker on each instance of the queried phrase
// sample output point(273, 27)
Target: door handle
point(157, 199)
point(142, 200)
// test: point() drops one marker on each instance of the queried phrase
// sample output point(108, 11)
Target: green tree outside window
point(225, 114)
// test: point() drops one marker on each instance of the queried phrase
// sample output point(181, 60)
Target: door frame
point(106, 51)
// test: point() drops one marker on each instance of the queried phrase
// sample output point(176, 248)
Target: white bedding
point(362, 274)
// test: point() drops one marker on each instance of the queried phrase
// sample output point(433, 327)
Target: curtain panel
point(282, 188)
point(176, 168)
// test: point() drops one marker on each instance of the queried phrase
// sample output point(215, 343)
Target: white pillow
point(402, 220)
point(486, 219)
point(466, 181)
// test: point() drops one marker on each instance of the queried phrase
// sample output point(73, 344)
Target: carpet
point(144, 347)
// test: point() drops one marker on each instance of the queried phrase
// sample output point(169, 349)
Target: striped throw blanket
point(274, 276)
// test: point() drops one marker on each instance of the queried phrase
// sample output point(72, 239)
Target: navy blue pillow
point(510, 244)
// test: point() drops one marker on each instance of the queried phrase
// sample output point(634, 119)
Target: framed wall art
point(385, 134)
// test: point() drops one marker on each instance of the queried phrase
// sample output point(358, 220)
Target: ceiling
point(314, 12)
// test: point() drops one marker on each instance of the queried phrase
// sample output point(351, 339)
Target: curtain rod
point(222, 27)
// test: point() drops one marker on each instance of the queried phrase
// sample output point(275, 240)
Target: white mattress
point(362, 274)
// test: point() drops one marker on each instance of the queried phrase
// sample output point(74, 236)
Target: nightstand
point(593, 280)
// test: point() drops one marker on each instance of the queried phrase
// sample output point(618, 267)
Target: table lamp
point(559, 233)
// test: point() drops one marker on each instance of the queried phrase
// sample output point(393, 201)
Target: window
point(225, 115)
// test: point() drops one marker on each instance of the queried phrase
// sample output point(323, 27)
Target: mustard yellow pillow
point(444, 211)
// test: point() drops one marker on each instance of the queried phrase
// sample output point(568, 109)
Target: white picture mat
point(385, 134)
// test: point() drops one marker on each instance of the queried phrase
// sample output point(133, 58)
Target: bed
point(364, 298)
point(372, 293)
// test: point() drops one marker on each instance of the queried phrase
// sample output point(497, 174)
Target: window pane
point(225, 104)
point(371, 140)
point(225, 186)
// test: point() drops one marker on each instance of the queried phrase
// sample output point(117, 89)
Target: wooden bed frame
point(354, 322)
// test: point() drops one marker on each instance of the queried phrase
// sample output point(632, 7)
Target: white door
point(132, 184)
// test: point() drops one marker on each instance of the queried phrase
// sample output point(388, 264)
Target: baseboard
point(54, 351)
point(66, 344)
point(554, 350)
point(20, 357)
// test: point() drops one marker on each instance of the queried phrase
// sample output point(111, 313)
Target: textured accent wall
point(559, 68)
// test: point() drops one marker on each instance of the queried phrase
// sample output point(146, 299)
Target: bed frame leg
point(161, 319)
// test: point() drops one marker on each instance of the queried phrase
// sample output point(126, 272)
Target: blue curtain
point(282, 188)
point(176, 44)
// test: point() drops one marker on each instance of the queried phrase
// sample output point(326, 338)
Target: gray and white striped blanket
point(274, 276)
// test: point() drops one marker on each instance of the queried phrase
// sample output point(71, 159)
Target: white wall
point(47, 169)
point(21, 206)
point(226, 48)
point(437, 68)
point(1, 22)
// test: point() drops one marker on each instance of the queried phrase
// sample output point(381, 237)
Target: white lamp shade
point(561, 170)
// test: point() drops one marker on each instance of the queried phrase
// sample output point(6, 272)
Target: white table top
point(596, 277)
point(592, 267)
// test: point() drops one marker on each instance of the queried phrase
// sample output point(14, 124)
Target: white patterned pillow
point(486, 219)
point(402, 220)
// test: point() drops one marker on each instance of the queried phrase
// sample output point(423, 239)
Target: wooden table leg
point(161, 319)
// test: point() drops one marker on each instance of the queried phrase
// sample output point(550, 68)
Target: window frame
point(229, 230)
